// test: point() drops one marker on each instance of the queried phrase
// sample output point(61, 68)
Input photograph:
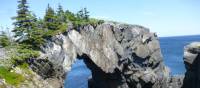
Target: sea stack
point(192, 64)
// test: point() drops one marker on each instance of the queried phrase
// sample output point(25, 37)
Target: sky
point(165, 17)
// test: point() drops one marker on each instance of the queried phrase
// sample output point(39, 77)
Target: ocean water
point(78, 76)
point(171, 48)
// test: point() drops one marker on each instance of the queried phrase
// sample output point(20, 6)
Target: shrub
point(95, 22)
point(22, 54)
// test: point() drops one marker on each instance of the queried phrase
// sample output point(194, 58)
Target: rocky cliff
point(119, 55)
point(192, 65)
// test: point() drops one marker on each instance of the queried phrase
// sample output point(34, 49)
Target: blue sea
point(171, 48)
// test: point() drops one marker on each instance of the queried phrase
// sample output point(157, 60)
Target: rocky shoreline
point(118, 55)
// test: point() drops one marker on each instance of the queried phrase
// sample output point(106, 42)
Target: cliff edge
point(192, 65)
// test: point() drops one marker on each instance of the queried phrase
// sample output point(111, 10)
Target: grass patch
point(11, 78)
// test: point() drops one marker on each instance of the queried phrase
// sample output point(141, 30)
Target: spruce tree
point(80, 14)
point(22, 24)
point(35, 38)
point(50, 19)
point(52, 24)
point(60, 14)
point(70, 16)
point(26, 30)
point(86, 14)
point(83, 14)
point(4, 39)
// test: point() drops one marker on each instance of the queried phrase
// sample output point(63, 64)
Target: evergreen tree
point(83, 14)
point(4, 39)
point(80, 14)
point(70, 16)
point(35, 38)
point(50, 19)
point(22, 25)
point(52, 23)
point(40, 23)
point(60, 14)
point(86, 14)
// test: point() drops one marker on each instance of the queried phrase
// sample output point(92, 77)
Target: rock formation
point(33, 80)
point(192, 65)
point(119, 55)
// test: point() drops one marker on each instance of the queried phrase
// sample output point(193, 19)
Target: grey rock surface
point(192, 64)
point(119, 55)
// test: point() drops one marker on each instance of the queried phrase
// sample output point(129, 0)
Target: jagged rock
point(175, 82)
point(119, 55)
point(192, 64)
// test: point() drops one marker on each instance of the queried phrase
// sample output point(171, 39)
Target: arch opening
point(78, 76)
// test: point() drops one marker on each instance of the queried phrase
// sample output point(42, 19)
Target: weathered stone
point(119, 55)
point(192, 64)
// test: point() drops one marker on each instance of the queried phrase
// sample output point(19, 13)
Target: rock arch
point(119, 55)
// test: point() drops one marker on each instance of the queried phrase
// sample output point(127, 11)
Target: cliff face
point(119, 56)
point(192, 64)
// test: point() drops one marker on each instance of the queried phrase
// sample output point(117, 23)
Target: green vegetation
point(23, 23)
point(50, 19)
point(11, 78)
point(4, 40)
point(21, 55)
point(18, 56)
point(30, 33)
point(61, 15)
point(24, 66)
point(25, 26)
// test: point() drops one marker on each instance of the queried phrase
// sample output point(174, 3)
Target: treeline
point(32, 31)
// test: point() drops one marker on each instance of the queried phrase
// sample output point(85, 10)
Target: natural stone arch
point(119, 55)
